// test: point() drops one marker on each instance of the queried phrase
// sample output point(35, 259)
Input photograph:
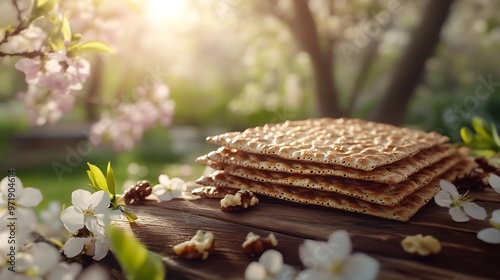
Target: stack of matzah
point(348, 164)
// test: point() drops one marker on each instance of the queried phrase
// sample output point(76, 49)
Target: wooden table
point(463, 256)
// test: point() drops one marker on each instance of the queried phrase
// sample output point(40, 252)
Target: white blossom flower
point(89, 210)
point(96, 246)
point(169, 189)
point(460, 206)
point(491, 235)
point(333, 260)
point(23, 199)
point(494, 181)
point(37, 259)
point(270, 266)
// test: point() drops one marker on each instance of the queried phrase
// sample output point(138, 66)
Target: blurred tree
point(320, 47)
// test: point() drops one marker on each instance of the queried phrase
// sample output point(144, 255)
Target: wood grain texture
point(463, 256)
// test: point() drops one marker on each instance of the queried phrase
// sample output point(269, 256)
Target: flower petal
point(178, 184)
point(255, 271)
point(72, 218)
point(474, 210)
point(27, 220)
point(307, 253)
point(45, 257)
point(74, 246)
point(361, 266)
point(458, 215)
point(494, 182)
point(16, 184)
point(176, 193)
point(164, 180)
point(443, 199)
point(495, 216)
point(165, 196)
point(314, 274)
point(272, 260)
point(92, 225)
point(158, 189)
point(29, 197)
point(489, 235)
point(101, 248)
point(80, 199)
point(99, 201)
point(448, 187)
point(340, 242)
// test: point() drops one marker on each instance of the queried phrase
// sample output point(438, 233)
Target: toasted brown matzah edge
point(402, 211)
point(378, 193)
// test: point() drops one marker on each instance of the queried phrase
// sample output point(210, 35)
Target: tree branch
point(32, 54)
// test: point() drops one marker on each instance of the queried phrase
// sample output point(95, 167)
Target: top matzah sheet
point(347, 142)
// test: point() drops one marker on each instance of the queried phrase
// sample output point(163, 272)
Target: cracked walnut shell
point(421, 245)
point(255, 245)
point(199, 247)
point(239, 201)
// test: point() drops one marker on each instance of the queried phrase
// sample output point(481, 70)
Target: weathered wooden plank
point(163, 225)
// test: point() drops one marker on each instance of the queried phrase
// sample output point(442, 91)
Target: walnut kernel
point(421, 245)
point(255, 245)
point(199, 247)
point(239, 201)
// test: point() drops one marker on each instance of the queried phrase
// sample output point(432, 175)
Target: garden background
point(233, 64)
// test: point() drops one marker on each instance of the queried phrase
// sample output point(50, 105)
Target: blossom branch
point(32, 54)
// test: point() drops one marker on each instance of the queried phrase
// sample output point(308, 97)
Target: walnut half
point(421, 245)
point(239, 201)
point(255, 245)
point(199, 247)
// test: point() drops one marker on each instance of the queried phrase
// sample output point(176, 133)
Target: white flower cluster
point(323, 260)
point(33, 260)
point(461, 208)
point(86, 219)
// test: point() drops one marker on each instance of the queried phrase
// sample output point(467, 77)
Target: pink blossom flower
point(28, 40)
point(31, 68)
point(132, 119)
point(45, 106)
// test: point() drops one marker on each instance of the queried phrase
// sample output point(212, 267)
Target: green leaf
point(91, 46)
point(131, 217)
point(485, 153)
point(65, 29)
point(466, 135)
point(496, 138)
point(92, 181)
point(481, 127)
point(98, 180)
point(40, 8)
point(136, 261)
point(110, 180)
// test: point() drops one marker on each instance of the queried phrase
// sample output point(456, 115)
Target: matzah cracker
point(379, 193)
point(347, 142)
point(390, 173)
point(402, 211)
